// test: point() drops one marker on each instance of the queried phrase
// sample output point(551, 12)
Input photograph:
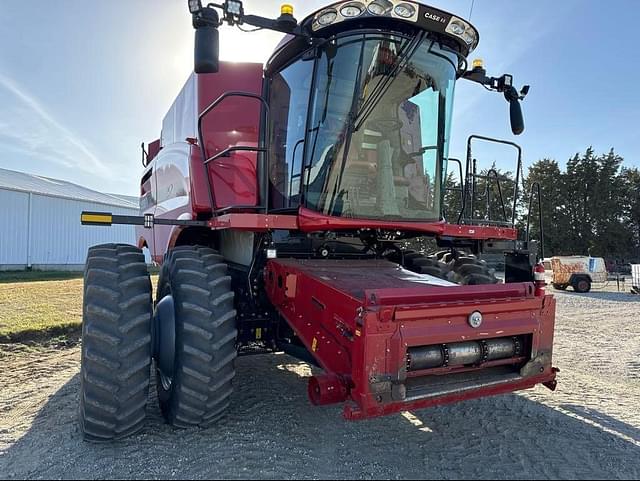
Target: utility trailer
point(278, 202)
point(579, 272)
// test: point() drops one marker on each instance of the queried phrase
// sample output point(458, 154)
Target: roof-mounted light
point(286, 9)
point(353, 9)
point(405, 10)
point(464, 31)
point(380, 7)
point(327, 17)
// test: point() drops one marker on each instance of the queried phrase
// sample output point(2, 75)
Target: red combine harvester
point(280, 201)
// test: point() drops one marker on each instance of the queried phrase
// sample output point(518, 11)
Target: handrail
point(536, 189)
point(497, 177)
point(263, 166)
point(240, 148)
point(469, 176)
point(450, 189)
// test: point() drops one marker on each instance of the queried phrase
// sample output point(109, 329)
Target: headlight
point(327, 17)
point(352, 10)
point(464, 31)
point(469, 37)
point(405, 10)
point(380, 7)
point(457, 28)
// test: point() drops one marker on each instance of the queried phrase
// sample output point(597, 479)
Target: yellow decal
point(259, 333)
point(314, 345)
point(97, 218)
point(358, 332)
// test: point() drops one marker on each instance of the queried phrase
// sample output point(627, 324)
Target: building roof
point(128, 198)
point(21, 182)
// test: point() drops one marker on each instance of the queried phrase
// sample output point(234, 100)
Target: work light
point(195, 6)
point(233, 7)
point(405, 10)
point(380, 7)
point(327, 17)
point(351, 10)
point(463, 30)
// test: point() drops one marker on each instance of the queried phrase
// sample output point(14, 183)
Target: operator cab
point(360, 99)
point(360, 121)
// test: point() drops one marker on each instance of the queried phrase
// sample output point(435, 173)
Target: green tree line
point(591, 207)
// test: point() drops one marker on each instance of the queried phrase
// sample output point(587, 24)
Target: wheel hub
point(164, 340)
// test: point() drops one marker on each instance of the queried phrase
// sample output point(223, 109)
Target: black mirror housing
point(207, 44)
point(207, 50)
point(515, 110)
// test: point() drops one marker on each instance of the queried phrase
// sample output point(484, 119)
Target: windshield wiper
point(423, 151)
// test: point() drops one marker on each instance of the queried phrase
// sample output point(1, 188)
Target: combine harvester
point(278, 201)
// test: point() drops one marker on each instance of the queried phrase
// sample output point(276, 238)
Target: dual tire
point(120, 337)
point(464, 270)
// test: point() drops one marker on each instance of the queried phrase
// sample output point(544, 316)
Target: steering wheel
point(386, 125)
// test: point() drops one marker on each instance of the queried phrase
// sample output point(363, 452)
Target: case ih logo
point(434, 17)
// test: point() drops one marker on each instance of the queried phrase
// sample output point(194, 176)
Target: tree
point(547, 173)
point(631, 208)
point(591, 209)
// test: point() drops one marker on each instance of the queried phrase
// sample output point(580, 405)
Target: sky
point(83, 83)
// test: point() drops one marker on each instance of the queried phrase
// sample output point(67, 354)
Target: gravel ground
point(589, 428)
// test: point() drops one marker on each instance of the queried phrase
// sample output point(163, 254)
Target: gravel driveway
point(589, 428)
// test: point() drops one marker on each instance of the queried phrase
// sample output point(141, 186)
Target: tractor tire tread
point(206, 334)
point(116, 343)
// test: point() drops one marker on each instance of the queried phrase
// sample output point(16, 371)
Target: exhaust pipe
point(463, 353)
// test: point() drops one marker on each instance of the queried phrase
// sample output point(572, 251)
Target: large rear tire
point(198, 391)
point(116, 343)
point(421, 264)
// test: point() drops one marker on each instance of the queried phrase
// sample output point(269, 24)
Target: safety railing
point(470, 183)
point(262, 150)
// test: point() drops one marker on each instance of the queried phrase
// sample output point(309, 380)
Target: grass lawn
point(34, 309)
point(39, 310)
point(35, 276)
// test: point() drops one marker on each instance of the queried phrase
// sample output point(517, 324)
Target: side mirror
point(515, 110)
point(207, 50)
point(207, 44)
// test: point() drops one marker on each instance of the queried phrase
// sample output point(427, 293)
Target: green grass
point(39, 310)
point(37, 276)
point(32, 310)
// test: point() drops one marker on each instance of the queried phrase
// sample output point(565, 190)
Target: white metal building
point(40, 222)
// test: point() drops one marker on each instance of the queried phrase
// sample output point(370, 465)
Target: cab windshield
point(379, 127)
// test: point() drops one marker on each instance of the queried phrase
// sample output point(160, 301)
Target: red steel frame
point(360, 336)
point(309, 221)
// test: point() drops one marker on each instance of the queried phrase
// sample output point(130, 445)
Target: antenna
point(473, 2)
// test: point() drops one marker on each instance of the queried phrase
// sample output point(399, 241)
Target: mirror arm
point(206, 17)
point(497, 84)
point(209, 17)
point(284, 25)
point(503, 85)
